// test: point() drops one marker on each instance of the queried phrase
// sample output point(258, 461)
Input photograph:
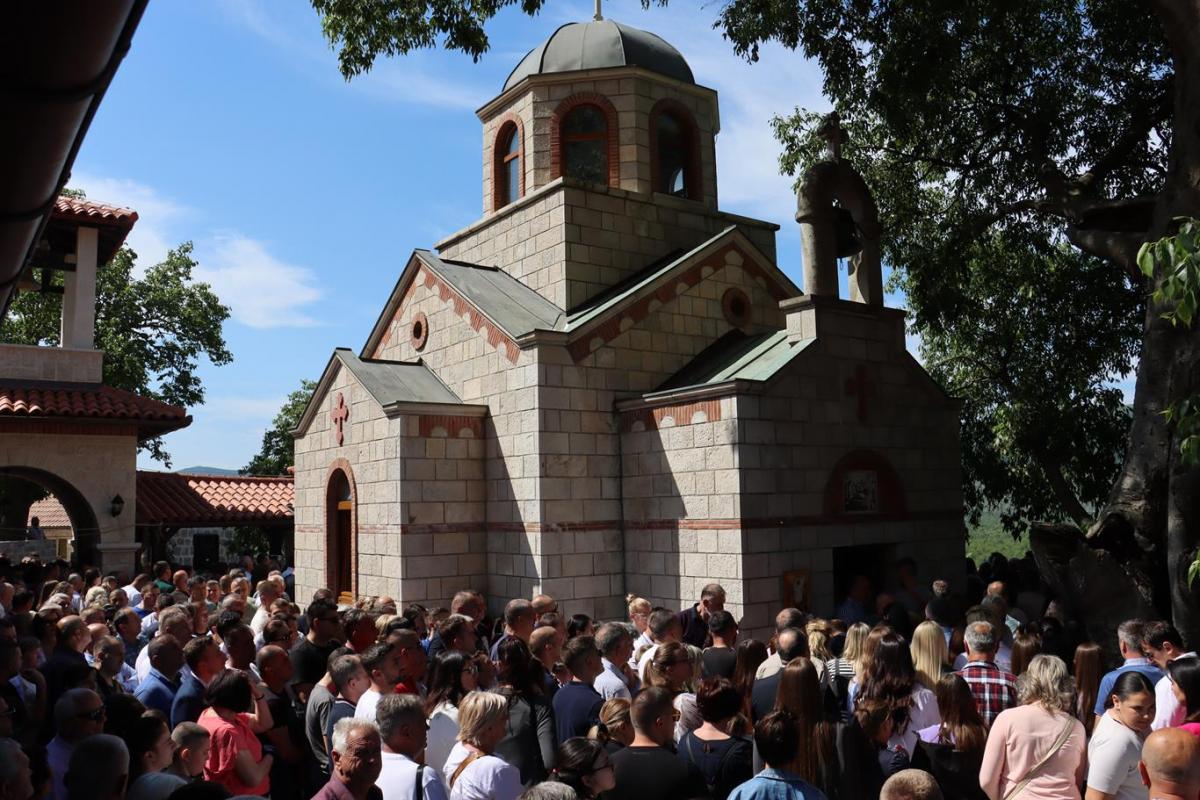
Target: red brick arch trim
point(505, 124)
point(610, 114)
point(692, 175)
point(343, 466)
point(891, 491)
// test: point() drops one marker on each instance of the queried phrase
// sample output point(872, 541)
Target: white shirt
point(611, 683)
point(259, 620)
point(58, 757)
point(1003, 658)
point(643, 640)
point(142, 667)
point(135, 597)
point(150, 623)
point(443, 733)
point(1167, 711)
point(485, 778)
point(646, 658)
point(1113, 755)
point(366, 705)
point(398, 778)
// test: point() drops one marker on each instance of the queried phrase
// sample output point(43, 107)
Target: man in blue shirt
point(159, 688)
point(205, 661)
point(1131, 639)
point(777, 736)
point(577, 705)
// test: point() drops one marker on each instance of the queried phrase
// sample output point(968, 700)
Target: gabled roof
point(737, 357)
point(91, 402)
point(510, 305)
point(391, 384)
point(176, 499)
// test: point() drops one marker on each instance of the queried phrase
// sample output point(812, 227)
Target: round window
point(420, 331)
point(736, 307)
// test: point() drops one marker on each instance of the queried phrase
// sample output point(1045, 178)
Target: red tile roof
point(82, 400)
point(176, 499)
point(50, 513)
point(90, 212)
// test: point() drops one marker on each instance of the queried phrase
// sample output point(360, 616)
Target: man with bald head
point(1170, 765)
point(73, 641)
point(790, 643)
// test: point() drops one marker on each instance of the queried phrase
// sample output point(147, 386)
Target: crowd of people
point(177, 686)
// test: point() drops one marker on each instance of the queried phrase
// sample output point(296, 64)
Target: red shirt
point(227, 739)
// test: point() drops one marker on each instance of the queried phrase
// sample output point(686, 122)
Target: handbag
point(1054, 748)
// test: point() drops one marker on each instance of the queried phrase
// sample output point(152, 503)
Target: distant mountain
point(208, 471)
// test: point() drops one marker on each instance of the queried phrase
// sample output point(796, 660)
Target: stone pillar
point(79, 293)
point(818, 249)
point(118, 558)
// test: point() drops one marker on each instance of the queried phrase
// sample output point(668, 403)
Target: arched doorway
point(340, 553)
point(21, 484)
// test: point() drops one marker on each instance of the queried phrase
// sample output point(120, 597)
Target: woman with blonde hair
point(1038, 748)
point(929, 654)
point(818, 632)
point(471, 771)
point(639, 614)
point(615, 728)
point(843, 669)
point(672, 668)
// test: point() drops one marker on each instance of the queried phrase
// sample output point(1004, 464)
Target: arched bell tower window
point(673, 142)
point(508, 175)
point(584, 142)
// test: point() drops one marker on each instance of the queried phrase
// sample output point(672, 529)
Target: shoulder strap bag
point(1033, 771)
point(466, 762)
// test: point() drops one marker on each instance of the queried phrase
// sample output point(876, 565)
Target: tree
point(1052, 120)
point(153, 329)
point(277, 452)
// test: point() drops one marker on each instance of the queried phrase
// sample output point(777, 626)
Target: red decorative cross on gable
point(339, 415)
point(861, 386)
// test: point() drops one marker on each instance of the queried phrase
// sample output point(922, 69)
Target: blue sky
point(229, 125)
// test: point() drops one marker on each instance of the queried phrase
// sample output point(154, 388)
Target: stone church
point(607, 385)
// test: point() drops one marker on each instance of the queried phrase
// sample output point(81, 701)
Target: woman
point(724, 759)
point(1037, 747)
point(150, 751)
point(888, 677)
point(672, 669)
point(865, 760)
point(1116, 745)
point(580, 625)
point(237, 713)
point(818, 632)
point(96, 596)
point(471, 771)
point(750, 654)
point(1185, 683)
point(584, 765)
point(615, 729)
point(453, 678)
point(799, 694)
point(639, 615)
point(930, 655)
point(844, 668)
point(1026, 645)
point(529, 738)
point(1089, 661)
point(952, 750)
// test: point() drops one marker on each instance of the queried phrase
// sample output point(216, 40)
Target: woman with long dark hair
point(584, 765)
point(1185, 683)
point(750, 653)
point(1026, 645)
point(453, 676)
point(529, 740)
point(888, 677)
point(799, 693)
point(1088, 669)
point(721, 756)
point(1116, 745)
point(952, 750)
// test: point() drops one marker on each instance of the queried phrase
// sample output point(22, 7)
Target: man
point(694, 621)
point(161, 685)
point(275, 669)
point(310, 658)
point(465, 604)
point(357, 760)
point(649, 769)
point(179, 581)
point(1164, 645)
point(1003, 656)
point(240, 651)
point(909, 592)
point(911, 784)
point(519, 619)
point(997, 597)
point(994, 689)
point(35, 532)
point(402, 727)
point(1131, 639)
point(192, 744)
point(721, 658)
point(616, 679)
point(133, 590)
point(359, 629)
point(857, 607)
point(175, 622)
point(544, 645)
point(16, 776)
point(128, 627)
point(109, 664)
point(382, 663)
point(664, 627)
point(78, 714)
point(98, 770)
point(543, 604)
point(790, 643)
point(350, 681)
point(787, 618)
point(1170, 765)
point(577, 704)
point(411, 658)
point(162, 577)
point(456, 633)
point(268, 593)
point(205, 662)
point(148, 601)
point(777, 738)
point(10, 672)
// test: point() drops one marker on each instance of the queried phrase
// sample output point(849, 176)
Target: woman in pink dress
point(1037, 750)
point(1185, 683)
point(237, 714)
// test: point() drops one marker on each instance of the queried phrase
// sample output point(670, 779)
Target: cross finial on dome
point(832, 132)
point(598, 16)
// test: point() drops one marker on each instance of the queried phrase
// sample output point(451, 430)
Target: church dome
point(599, 44)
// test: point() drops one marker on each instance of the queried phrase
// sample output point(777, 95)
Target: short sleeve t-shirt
point(719, 661)
point(226, 740)
point(485, 778)
point(310, 661)
point(1113, 755)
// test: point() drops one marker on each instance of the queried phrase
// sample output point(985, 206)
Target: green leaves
point(277, 452)
point(1173, 264)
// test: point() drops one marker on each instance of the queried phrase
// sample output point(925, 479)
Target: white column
point(79, 293)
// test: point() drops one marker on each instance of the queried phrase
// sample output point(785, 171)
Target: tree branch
point(1119, 248)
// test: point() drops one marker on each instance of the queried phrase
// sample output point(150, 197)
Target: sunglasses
point(94, 716)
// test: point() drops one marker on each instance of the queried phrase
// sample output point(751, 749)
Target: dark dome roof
point(599, 44)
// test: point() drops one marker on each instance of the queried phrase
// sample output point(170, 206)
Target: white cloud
point(260, 290)
point(151, 237)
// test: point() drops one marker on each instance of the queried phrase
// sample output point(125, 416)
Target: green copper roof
point(738, 357)
point(391, 382)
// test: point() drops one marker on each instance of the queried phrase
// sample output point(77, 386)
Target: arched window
point(673, 138)
point(584, 137)
point(508, 165)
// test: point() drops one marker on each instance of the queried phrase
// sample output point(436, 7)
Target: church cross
point(860, 385)
point(339, 415)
